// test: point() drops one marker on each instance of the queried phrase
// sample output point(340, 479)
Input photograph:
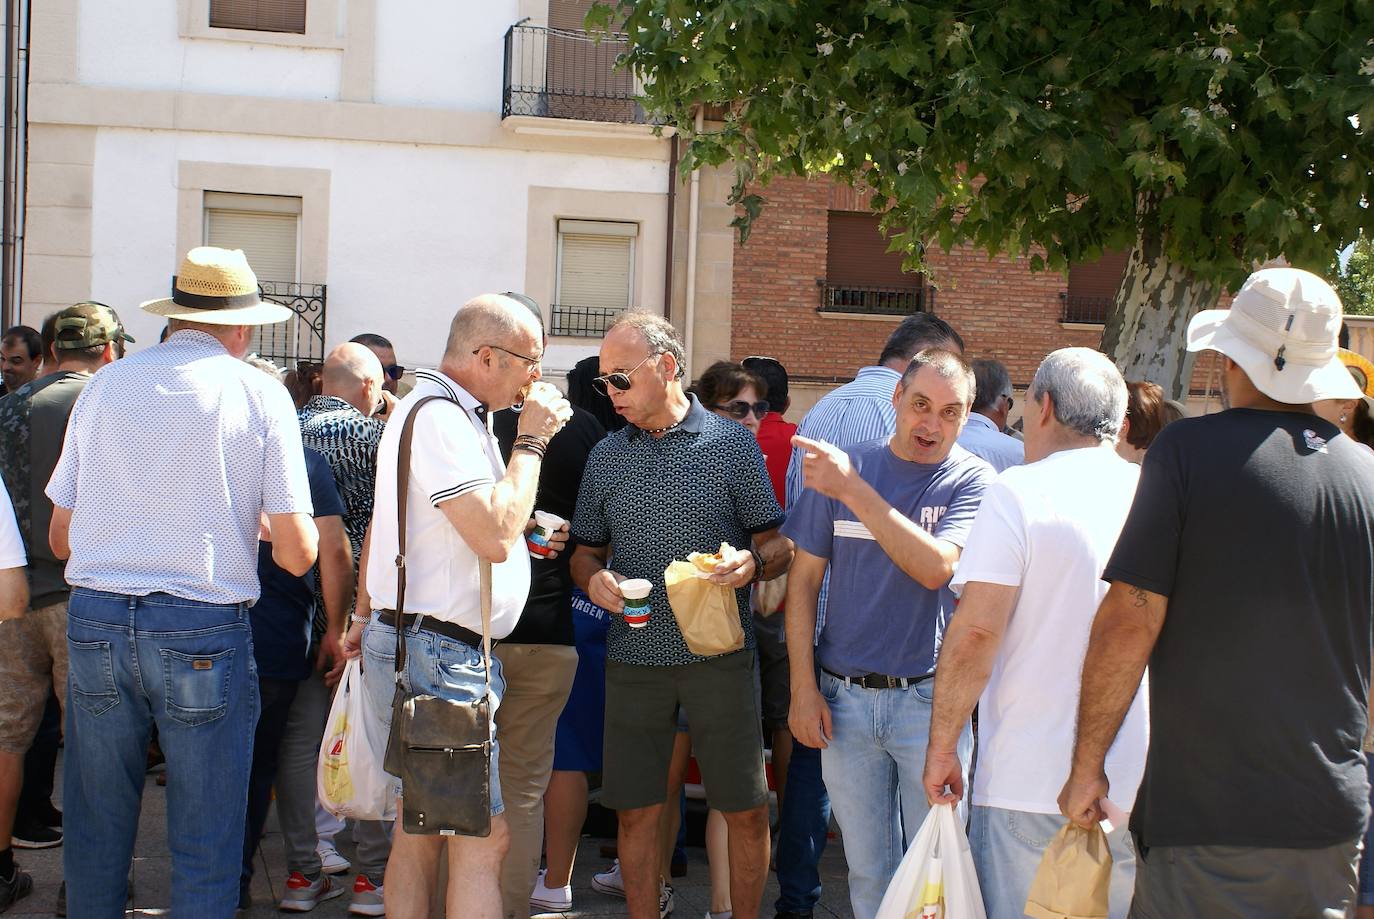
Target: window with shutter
point(265, 227)
point(1092, 287)
point(259, 15)
point(595, 273)
point(861, 276)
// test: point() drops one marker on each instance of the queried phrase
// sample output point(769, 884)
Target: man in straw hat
point(1243, 577)
point(172, 459)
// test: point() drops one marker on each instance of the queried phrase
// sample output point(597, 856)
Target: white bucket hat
point(217, 286)
point(1281, 329)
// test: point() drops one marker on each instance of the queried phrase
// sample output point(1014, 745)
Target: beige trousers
point(538, 680)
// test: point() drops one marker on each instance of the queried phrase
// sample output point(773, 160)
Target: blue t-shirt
point(281, 618)
point(879, 619)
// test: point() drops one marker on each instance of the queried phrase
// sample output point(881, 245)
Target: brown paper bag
point(707, 614)
point(768, 595)
point(1074, 877)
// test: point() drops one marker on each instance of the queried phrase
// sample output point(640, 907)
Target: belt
point(437, 626)
point(879, 680)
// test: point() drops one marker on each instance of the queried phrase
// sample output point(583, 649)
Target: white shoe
point(553, 899)
point(610, 882)
point(665, 901)
point(331, 862)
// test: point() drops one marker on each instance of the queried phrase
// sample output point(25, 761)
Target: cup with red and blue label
point(545, 525)
point(636, 593)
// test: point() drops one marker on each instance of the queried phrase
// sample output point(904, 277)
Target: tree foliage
point(1048, 129)
point(1356, 283)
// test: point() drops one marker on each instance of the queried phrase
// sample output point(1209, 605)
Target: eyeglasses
point(760, 359)
point(739, 409)
point(532, 361)
point(394, 371)
point(1010, 401)
point(620, 381)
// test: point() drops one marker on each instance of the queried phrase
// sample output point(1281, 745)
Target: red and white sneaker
point(302, 895)
point(367, 898)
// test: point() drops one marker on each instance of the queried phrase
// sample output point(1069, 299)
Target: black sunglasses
point(620, 381)
point(395, 371)
point(739, 409)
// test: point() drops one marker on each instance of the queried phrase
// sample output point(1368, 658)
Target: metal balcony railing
point(568, 73)
point(301, 338)
point(1077, 308)
point(583, 321)
point(882, 301)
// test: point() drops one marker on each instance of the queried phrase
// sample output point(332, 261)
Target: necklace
point(663, 430)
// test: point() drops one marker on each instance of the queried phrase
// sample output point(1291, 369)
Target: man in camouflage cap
point(33, 654)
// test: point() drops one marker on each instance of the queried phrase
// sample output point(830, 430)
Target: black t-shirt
point(1258, 527)
point(547, 619)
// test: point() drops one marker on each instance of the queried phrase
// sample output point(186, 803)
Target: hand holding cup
point(545, 411)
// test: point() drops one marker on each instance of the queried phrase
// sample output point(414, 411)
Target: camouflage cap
point(86, 325)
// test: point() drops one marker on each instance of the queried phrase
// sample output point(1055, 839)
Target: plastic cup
point(636, 593)
point(544, 526)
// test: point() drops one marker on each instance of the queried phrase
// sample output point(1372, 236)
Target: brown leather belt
point(437, 626)
point(880, 680)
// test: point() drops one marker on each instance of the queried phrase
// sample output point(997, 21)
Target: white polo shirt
point(453, 453)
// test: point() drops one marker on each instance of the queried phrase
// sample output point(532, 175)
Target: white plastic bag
point(350, 781)
point(936, 876)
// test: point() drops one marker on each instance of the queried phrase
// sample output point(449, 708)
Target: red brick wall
point(1001, 308)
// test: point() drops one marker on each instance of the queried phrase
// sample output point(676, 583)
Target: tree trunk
point(1147, 329)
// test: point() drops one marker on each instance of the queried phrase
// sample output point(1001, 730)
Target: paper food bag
point(1074, 877)
point(707, 614)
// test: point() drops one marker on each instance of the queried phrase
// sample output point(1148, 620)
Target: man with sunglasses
point(983, 435)
point(676, 480)
point(391, 371)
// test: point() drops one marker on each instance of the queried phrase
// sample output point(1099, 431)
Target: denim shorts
point(436, 665)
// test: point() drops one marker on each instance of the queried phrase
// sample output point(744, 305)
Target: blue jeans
point(873, 769)
point(1008, 845)
point(443, 667)
point(1366, 891)
point(186, 667)
point(803, 826)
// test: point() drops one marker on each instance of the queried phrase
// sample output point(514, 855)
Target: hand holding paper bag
point(707, 613)
point(1074, 878)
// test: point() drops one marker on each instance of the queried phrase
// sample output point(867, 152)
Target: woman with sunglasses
point(733, 392)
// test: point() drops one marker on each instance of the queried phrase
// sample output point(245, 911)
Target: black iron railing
point(568, 73)
point(881, 301)
point(301, 338)
point(1077, 308)
point(584, 321)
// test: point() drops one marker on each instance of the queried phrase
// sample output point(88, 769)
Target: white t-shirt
point(452, 454)
point(11, 546)
point(1049, 529)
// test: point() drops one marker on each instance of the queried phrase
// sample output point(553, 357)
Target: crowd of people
point(1132, 616)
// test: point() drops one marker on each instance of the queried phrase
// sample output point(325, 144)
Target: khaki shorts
point(33, 661)
point(723, 717)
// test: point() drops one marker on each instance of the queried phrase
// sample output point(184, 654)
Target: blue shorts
point(577, 739)
point(439, 666)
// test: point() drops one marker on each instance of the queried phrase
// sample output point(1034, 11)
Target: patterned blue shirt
point(170, 457)
point(858, 411)
point(652, 500)
point(348, 442)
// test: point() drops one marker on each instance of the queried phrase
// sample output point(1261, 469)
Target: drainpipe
point(7, 310)
point(668, 247)
point(693, 221)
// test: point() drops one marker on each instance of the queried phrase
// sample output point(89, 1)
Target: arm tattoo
point(1139, 596)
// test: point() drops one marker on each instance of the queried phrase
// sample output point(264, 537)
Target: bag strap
point(402, 500)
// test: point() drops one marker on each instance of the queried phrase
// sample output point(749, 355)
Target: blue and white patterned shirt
point(858, 411)
point(170, 457)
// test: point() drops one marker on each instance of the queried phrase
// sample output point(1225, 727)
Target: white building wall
point(413, 230)
point(442, 54)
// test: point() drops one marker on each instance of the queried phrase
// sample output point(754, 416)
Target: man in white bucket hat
point(172, 459)
point(1244, 578)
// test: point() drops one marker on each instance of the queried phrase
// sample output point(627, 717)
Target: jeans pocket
point(830, 688)
point(197, 685)
point(91, 671)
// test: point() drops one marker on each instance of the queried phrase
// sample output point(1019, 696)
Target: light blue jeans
point(873, 768)
point(442, 667)
point(1007, 847)
point(187, 667)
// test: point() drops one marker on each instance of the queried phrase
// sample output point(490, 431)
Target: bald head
point(353, 373)
point(490, 319)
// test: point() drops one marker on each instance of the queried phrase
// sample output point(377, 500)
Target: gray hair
point(949, 365)
point(491, 319)
point(658, 334)
point(1088, 391)
point(993, 382)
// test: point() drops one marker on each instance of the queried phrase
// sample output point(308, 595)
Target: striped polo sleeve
point(448, 459)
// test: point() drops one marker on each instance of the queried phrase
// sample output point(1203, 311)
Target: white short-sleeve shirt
point(11, 545)
point(452, 454)
point(1048, 528)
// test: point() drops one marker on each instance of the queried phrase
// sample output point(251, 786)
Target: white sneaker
point(610, 882)
point(331, 862)
point(665, 900)
point(554, 899)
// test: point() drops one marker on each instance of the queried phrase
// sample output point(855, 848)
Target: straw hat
point(1281, 329)
point(216, 286)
